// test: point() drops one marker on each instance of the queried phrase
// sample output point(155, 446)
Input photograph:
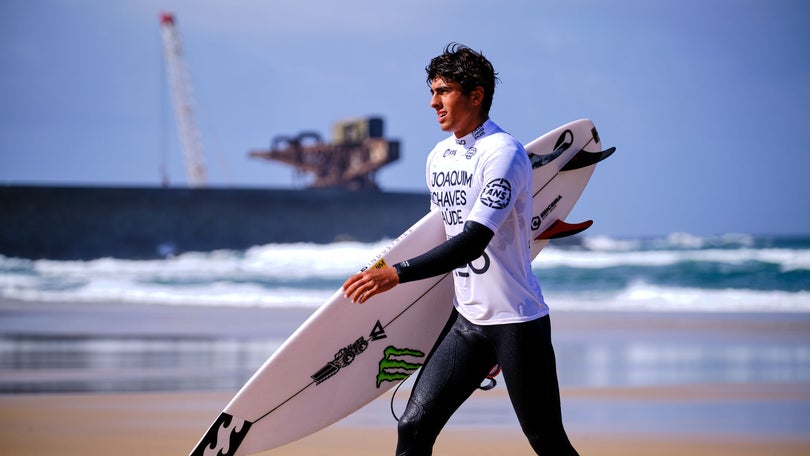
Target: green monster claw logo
point(392, 369)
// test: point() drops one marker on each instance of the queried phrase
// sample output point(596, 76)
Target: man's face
point(457, 113)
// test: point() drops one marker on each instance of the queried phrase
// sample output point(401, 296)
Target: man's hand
point(363, 285)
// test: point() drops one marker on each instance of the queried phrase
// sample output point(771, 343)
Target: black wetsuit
point(464, 355)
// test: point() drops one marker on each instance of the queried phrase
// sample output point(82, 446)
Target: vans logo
point(497, 194)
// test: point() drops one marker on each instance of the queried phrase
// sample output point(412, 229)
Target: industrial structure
point(350, 161)
point(183, 101)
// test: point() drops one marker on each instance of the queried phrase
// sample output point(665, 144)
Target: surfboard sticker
point(223, 437)
point(343, 358)
point(346, 355)
point(394, 366)
point(378, 332)
point(563, 143)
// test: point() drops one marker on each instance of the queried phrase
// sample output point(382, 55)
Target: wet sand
point(117, 379)
point(160, 424)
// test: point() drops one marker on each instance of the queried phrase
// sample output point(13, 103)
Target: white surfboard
point(346, 355)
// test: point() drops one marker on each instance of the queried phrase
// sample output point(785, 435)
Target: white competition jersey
point(486, 177)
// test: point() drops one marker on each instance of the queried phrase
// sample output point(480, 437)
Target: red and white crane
point(183, 101)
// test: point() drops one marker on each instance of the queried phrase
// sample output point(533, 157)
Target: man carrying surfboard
point(480, 179)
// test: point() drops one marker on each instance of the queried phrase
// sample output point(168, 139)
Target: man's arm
point(453, 253)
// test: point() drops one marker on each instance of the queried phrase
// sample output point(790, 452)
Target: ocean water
point(654, 312)
point(674, 310)
point(679, 272)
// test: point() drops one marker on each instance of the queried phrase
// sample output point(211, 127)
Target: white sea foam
point(786, 259)
point(305, 275)
point(270, 261)
point(640, 296)
point(209, 294)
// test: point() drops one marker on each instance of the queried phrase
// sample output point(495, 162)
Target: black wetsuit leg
point(453, 370)
point(459, 362)
point(527, 360)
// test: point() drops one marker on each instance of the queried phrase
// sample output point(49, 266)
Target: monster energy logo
point(393, 369)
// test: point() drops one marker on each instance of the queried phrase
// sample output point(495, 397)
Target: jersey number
point(471, 266)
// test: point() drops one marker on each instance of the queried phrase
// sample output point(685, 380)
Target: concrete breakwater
point(142, 222)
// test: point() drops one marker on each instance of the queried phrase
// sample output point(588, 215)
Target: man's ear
point(477, 96)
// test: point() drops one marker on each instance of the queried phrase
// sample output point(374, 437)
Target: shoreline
point(82, 319)
point(113, 347)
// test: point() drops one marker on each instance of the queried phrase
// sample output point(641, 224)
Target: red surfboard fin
point(561, 229)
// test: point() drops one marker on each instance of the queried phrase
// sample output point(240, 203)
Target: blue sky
point(707, 101)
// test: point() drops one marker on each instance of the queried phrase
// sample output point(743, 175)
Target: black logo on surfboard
point(564, 142)
point(346, 355)
point(343, 358)
point(378, 332)
point(223, 437)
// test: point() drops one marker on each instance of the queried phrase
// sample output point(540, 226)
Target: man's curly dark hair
point(471, 69)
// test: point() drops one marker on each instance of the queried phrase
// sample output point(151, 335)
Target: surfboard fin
point(561, 229)
point(584, 158)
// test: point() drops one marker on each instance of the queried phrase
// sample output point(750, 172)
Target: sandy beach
point(121, 379)
point(160, 424)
